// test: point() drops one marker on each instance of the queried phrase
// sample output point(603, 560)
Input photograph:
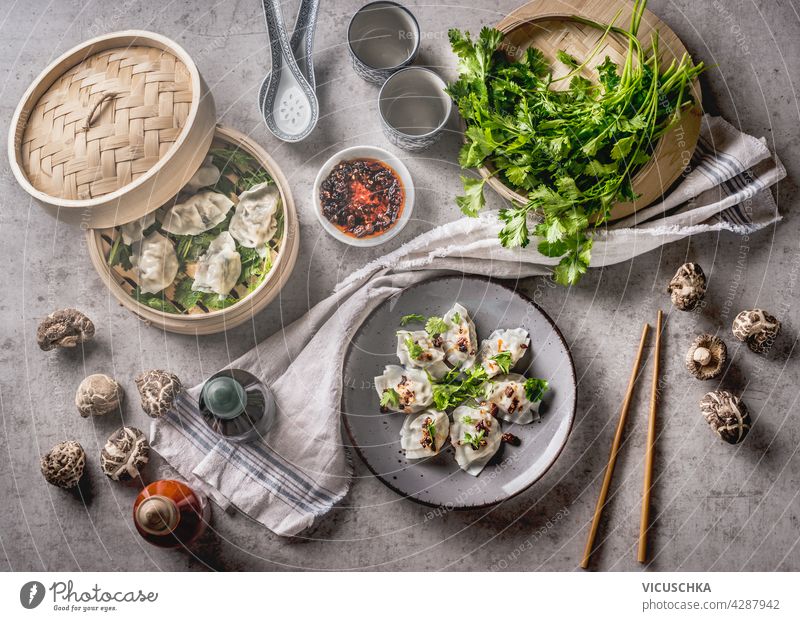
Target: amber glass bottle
point(170, 514)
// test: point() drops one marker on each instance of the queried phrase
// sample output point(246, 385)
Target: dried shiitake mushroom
point(64, 463)
point(727, 415)
point(756, 328)
point(98, 395)
point(706, 357)
point(687, 287)
point(158, 390)
point(125, 453)
point(64, 328)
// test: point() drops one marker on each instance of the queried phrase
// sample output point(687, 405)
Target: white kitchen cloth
point(302, 469)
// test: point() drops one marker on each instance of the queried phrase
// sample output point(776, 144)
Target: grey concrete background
point(717, 507)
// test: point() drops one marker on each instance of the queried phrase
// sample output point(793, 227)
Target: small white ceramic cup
point(383, 37)
point(374, 153)
point(414, 108)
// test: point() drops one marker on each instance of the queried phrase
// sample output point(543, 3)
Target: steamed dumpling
point(134, 231)
point(508, 399)
point(409, 390)
point(219, 268)
point(476, 437)
point(197, 214)
point(424, 435)
point(206, 175)
point(156, 263)
point(460, 340)
point(253, 223)
point(428, 356)
point(515, 342)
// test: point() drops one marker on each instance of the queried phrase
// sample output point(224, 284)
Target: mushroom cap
point(67, 327)
point(125, 453)
point(63, 465)
point(98, 395)
point(706, 357)
point(726, 414)
point(756, 328)
point(158, 390)
point(687, 287)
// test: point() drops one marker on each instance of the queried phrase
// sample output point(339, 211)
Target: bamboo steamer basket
point(120, 282)
point(549, 25)
point(107, 131)
point(111, 131)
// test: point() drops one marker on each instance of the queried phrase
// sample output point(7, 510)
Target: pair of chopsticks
point(615, 446)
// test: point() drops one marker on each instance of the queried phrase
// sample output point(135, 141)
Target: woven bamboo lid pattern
point(106, 121)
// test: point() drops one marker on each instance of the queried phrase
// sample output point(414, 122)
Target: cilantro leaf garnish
point(535, 389)
point(414, 348)
point(436, 325)
point(474, 440)
point(431, 429)
point(503, 360)
point(455, 388)
point(412, 318)
point(390, 398)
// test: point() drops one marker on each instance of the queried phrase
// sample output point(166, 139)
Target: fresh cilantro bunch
point(573, 152)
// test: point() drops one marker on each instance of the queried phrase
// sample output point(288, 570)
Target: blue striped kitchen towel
point(301, 470)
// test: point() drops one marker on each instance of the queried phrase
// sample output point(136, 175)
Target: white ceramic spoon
point(288, 102)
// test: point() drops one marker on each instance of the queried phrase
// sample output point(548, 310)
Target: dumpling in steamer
point(460, 340)
point(508, 399)
point(134, 231)
point(515, 342)
point(155, 262)
point(254, 223)
point(476, 437)
point(219, 268)
point(197, 214)
point(418, 350)
point(409, 390)
point(424, 435)
point(207, 175)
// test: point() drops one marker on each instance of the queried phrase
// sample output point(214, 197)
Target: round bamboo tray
point(112, 128)
point(120, 282)
point(549, 26)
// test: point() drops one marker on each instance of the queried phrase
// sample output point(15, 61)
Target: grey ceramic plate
point(439, 481)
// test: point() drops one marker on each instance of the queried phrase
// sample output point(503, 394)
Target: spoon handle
point(302, 41)
point(278, 39)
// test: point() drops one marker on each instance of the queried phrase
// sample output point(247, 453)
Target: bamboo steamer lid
point(112, 129)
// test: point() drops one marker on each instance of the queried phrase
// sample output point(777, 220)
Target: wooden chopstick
point(615, 445)
point(644, 524)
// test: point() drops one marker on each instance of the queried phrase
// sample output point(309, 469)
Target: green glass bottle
point(237, 406)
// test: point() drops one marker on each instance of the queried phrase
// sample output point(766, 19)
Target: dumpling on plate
point(508, 346)
point(418, 350)
point(404, 390)
point(208, 174)
point(460, 341)
point(156, 263)
point(219, 267)
point(196, 214)
point(476, 436)
point(254, 223)
point(515, 398)
point(134, 231)
point(424, 435)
